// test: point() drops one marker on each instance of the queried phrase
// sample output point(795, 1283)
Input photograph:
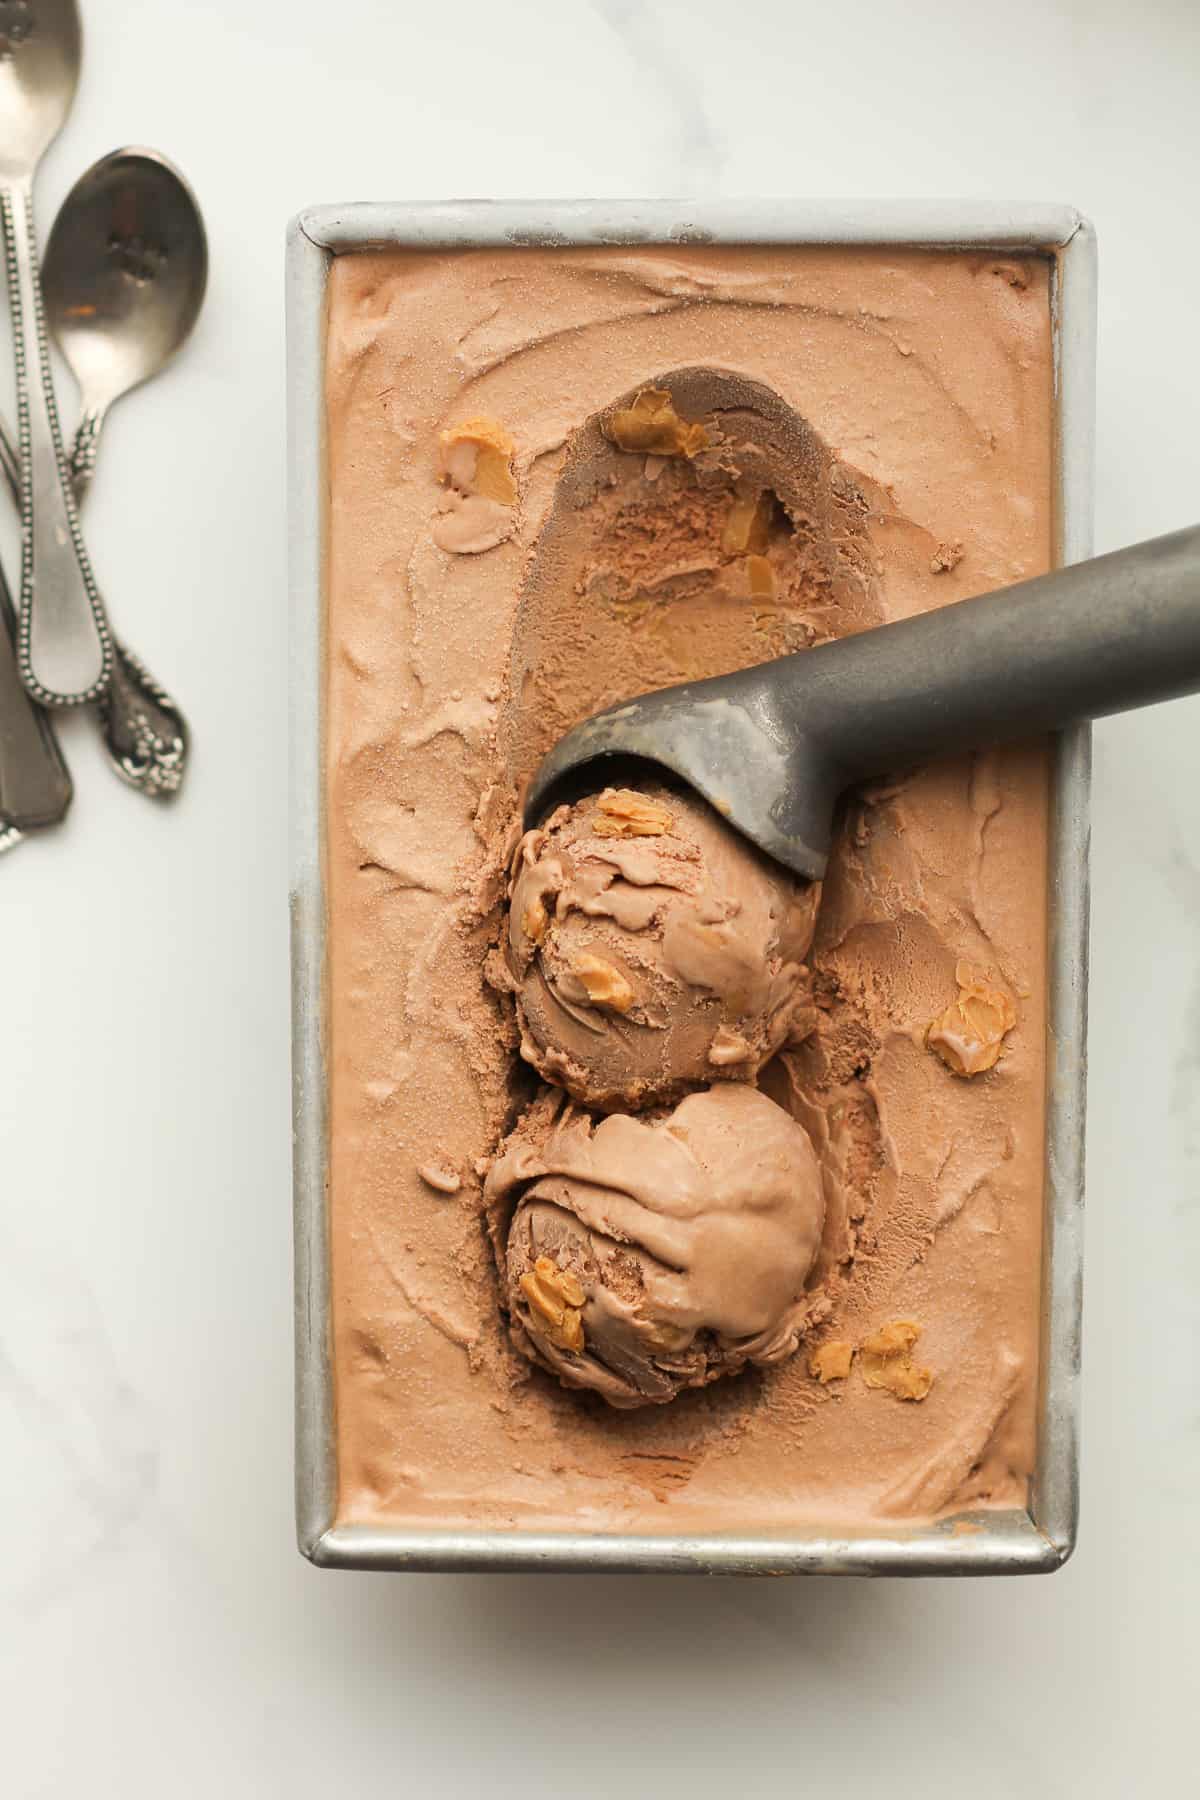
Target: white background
point(161, 1636)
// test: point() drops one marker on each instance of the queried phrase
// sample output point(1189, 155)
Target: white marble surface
point(160, 1634)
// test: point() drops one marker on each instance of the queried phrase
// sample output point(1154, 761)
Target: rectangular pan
point(1000, 1542)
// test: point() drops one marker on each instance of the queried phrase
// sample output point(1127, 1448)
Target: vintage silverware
point(773, 746)
point(64, 647)
point(35, 786)
point(145, 734)
point(124, 277)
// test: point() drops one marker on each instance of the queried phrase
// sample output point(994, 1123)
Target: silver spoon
point(124, 278)
point(772, 747)
point(64, 647)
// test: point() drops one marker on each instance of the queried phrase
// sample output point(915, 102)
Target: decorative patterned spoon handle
point(64, 646)
point(145, 734)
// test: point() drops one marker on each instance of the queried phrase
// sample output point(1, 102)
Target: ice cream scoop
point(642, 1256)
point(650, 949)
point(771, 747)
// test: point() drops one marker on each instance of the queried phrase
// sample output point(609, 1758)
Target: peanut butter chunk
point(969, 1035)
point(535, 920)
point(620, 812)
point(896, 1339)
point(651, 425)
point(749, 524)
point(603, 984)
point(886, 1361)
point(555, 1296)
point(762, 578)
point(476, 458)
point(831, 1361)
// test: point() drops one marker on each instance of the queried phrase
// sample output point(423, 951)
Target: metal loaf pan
point(997, 1542)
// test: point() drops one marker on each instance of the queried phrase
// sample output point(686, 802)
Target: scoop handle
point(1097, 638)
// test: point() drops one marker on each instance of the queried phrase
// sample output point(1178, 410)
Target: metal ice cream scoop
point(772, 747)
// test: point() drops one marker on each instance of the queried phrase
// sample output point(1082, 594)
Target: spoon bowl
point(41, 47)
point(124, 274)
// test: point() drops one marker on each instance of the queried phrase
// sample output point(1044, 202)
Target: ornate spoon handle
point(145, 734)
point(82, 458)
point(64, 647)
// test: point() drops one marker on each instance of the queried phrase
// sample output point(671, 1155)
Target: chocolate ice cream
point(652, 950)
point(641, 1256)
point(559, 477)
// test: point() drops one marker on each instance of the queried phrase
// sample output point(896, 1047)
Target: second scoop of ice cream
point(653, 950)
point(640, 1257)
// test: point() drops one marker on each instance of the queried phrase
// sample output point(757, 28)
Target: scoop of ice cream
point(651, 949)
point(640, 1257)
